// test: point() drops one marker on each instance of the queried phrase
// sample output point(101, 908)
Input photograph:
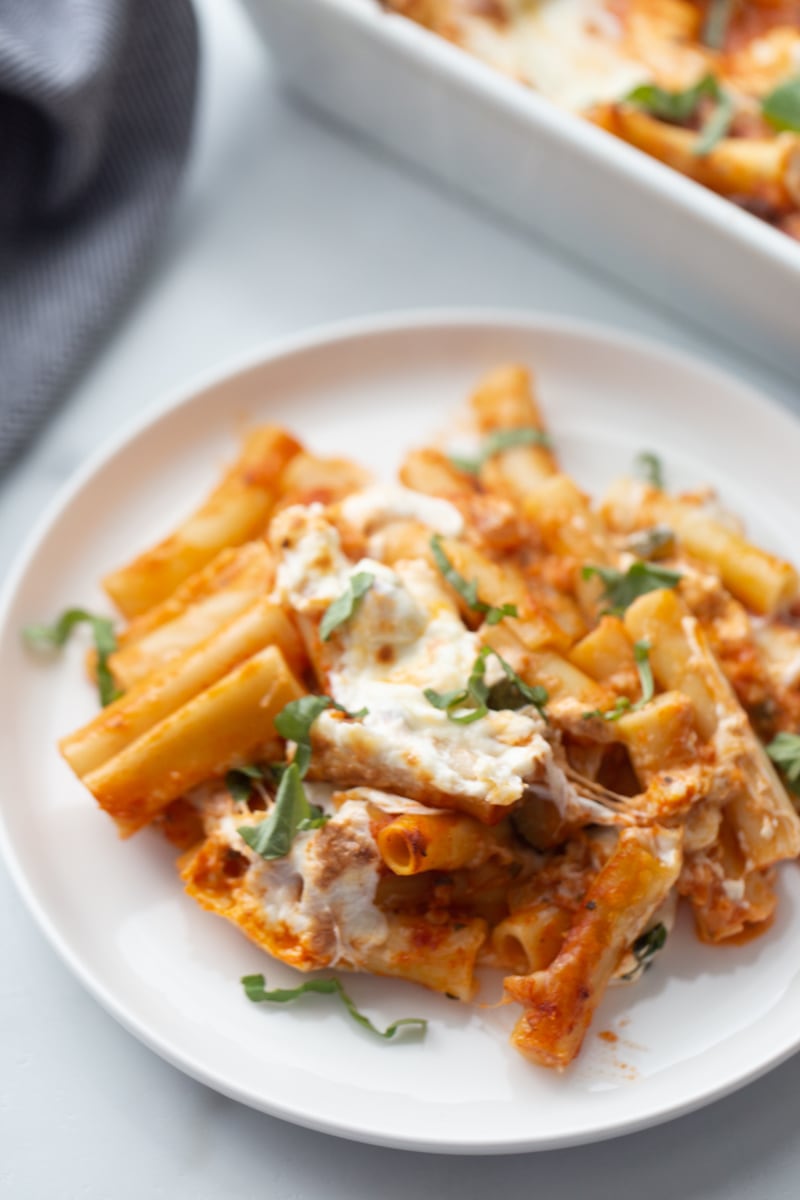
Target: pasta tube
point(766, 168)
point(232, 721)
point(560, 1002)
point(194, 612)
point(762, 581)
point(681, 659)
point(415, 842)
point(174, 685)
point(236, 511)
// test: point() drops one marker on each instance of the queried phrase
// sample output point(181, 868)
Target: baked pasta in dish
point(710, 87)
point(467, 719)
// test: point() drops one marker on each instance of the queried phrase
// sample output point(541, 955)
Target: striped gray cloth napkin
point(96, 101)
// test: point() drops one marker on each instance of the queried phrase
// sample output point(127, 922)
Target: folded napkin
point(96, 100)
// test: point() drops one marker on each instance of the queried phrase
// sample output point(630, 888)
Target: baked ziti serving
point(709, 87)
point(470, 719)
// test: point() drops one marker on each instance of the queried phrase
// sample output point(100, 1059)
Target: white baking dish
point(551, 172)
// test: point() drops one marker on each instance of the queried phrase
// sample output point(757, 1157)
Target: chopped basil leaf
point(509, 693)
point(651, 469)
point(445, 700)
point(468, 591)
point(476, 691)
point(497, 442)
point(294, 723)
point(645, 948)
point(105, 641)
point(343, 609)
point(716, 126)
point(291, 812)
point(513, 693)
point(641, 653)
point(239, 781)
point(651, 543)
point(622, 705)
point(715, 26)
point(782, 106)
point(622, 588)
point(784, 750)
point(677, 107)
point(295, 720)
point(255, 990)
point(680, 107)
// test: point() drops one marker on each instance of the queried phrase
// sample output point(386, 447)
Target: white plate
point(701, 1023)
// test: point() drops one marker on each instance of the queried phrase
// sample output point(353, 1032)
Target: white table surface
point(286, 222)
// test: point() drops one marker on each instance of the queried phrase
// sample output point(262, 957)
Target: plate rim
point(317, 337)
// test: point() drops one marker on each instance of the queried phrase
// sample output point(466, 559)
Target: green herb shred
point(645, 948)
point(468, 591)
point(782, 106)
point(679, 107)
point(784, 750)
point(497, 442)
point(291, 813)
point(343, 608)
point(650, 468)
point(509, 693)
point(622, 588)
point(239, 781)
point(715, 26)
point(255, 990)
point(55, 636)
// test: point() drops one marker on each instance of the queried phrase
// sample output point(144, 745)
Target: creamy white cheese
point(429, 647)
point(570, 50)
point(383, 503)
point(304, 895)
point(790, 674)
point(733, 889)
point(312, 570)
point(388, 802)
point(405, 636)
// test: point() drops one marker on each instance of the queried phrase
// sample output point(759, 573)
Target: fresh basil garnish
point(239, 781)
point(651, 543)
point(622, 705)
point(784, 750)
point(622, 588)
point(717, 20)
point(55, 636)
point(294, 723)
point(679, 107)
point(468, 591)
point(255, 990)
point(641, 653)
point(342, 609)
point(290, 814)
point(782, 106)
point(509, 693)
point(475, 693)
point(650, 468)
point(497, 442)
point(645, 948)
point(513, 692)
point(716, 126)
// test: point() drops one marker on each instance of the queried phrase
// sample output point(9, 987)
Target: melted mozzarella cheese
point(381, 504)
point(405, 636)
point(489, 758)
point(570, 50)
point(312, 571)
point(323, 891)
